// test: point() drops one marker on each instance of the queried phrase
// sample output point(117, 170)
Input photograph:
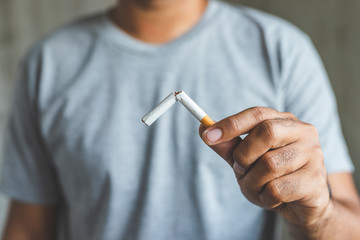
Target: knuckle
point(290, 123)
point(270, 162)
point(232, 124)
point(267, 130)
point(249, 182)
point(258, 113)
point(289, 115)
point(274, 190)
point(313, 130)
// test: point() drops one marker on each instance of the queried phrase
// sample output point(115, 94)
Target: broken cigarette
point(170, 100)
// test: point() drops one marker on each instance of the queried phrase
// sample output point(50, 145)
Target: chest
point(92, 122)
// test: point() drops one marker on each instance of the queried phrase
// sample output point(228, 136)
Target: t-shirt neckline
point(120, 39)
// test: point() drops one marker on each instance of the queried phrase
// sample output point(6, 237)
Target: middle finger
point(275, 164)
point(270, 134)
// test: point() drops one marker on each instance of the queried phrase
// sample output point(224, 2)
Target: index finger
point(241, 123)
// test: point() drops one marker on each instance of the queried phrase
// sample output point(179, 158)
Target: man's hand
point(279, 165)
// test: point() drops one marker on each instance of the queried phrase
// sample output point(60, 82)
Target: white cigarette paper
point(170, 100)
point(162, 107)
point(190, 105)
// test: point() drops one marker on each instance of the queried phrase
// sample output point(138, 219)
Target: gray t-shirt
point(75, 136)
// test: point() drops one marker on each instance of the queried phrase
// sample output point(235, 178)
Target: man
point(79, 164)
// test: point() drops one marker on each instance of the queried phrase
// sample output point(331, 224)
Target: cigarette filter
point(170, 100)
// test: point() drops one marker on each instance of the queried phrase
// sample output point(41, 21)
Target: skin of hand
point(279, 165)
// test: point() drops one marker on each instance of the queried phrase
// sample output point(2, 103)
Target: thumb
point(225, 149)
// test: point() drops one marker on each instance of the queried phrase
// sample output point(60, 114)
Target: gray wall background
point(332, 24)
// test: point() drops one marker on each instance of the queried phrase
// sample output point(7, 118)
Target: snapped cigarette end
point(182, 97)
point(162, 107)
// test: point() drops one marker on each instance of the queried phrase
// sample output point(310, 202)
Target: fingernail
point(214, 135)
point(239, 169)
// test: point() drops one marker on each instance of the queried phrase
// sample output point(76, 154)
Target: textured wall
point(332, 24)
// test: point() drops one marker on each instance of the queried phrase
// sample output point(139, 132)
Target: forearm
point(11, 234)
point(341, 221)
point(30, 222)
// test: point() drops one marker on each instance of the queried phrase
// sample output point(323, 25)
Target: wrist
point(314, 228)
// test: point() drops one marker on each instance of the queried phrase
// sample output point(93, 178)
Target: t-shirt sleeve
point(309, 96)
point(26, 172)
